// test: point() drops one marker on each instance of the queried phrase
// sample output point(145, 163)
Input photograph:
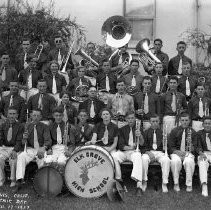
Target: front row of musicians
point(55, 143)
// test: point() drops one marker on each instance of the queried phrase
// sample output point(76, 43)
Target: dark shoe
point(139, 192)
point(16, 188)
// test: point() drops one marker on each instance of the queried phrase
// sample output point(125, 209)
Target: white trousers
point(24, 158)
point(204, 166)
point(135, 157)
point(162, 159)
point(170, 122)
point(5, 153)
point(176, 166)
point(197, 125)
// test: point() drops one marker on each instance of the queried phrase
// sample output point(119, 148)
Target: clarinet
point(189, 142)
point(66, 136)
point(206, 109)
point(138, 125)
point(165, 140)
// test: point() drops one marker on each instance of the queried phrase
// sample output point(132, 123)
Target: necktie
point(182, 146)
point(54, 89)
point(30, 80)
point(201, 112)
point(146, 104)
point(25, 63)
point(208, 142)
point(59, 58)
point(9, 133)
point(80, 82)
point(65, 118)
point(180, 66)
point(130, 143)
point(154, 145)
point(120, 110)
point(58, 135)
point(107, 83)
point(11, 100)
point(187, 85)
point(3, 74)
point(105, 137)
point(173, 103)
point(133, 82)
point(92, 110)
point(40, 106)
point(82, 133)
point(36, 143)
point(157, 89)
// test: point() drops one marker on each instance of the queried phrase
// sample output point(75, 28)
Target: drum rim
point(46, 195)
point(82, 148)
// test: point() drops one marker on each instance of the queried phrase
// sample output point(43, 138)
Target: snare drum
point(88, 171)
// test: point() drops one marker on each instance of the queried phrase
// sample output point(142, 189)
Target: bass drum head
point(48, 182)
point(88, 172)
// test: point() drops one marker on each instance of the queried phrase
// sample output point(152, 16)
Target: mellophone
point(86, 174)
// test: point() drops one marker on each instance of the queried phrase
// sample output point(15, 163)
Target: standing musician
point(129, 136)
point(187, 82)
point(175, 63)
point(7, 72)
point(133, 79)
point(173, 103)
point(15, 100)
point(182, 145)
point(120, 104)
point(159, 82)
point(93, 106)
point(155, 149)
point(106, 80)
point(36, 140)
point(199, 107)
point(146, 103)
point(11, 133)
point(204, 153)
point(42, 101)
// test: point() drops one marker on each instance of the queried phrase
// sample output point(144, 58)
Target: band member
point(146, 103)
point(63, 142)
point(159, 82)
point(93, 106)
point(187, 82)
point(120, 104)
point(173, 103)
point(175, 63)
point(7, 72)
point(129, 136)
point(56, 83)
point(11, 133)
point(15, 100)
point(204, 152)
point(106, 79)
point(182, 141)
point(199, 106)
point(42, 101)
point(36, 141)
point(133, 79)
point(154, 151)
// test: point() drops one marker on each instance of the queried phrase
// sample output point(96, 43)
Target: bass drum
point(88, 171)
point(48, 180)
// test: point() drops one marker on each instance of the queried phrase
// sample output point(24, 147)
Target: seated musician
point(146, 103)
point(175, 63)
point(7, 72)
point(42, 101)
point(120, 104)
point(106, 80)
point(105, 133)
point(93, 106)
point(56, 82)
point(173, 103)
point(199, 107)
point(182, 144)
point(159, 82)
point(11, 133)
point(70, 111)
point(154, 147)
point(133, 78)
point(187, 82)
point(204, 153)
point(36, 140)
point(63, 140)
point(129, 136)
point(15, 100)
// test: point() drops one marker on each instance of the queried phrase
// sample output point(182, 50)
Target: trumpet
point(165, 139)
point(188, 148)
point(138, 125)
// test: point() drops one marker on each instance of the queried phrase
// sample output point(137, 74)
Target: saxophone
point(165, 139)
point(138, 125)
point(189, 142)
